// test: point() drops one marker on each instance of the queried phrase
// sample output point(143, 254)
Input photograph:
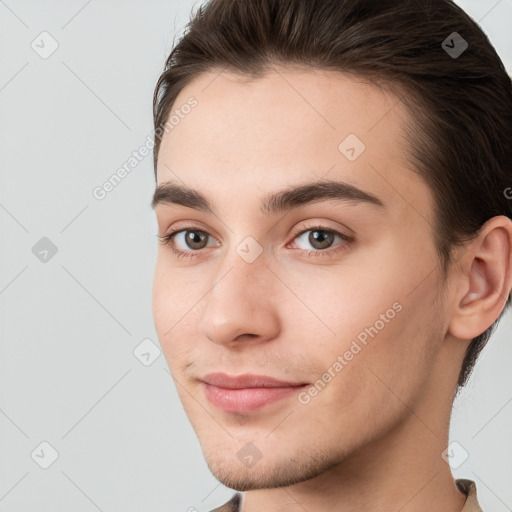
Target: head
point(337, 183)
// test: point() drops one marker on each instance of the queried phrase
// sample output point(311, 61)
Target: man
point(335, 244)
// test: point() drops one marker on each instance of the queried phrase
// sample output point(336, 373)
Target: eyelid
point(302, 227)
point(320, 226)
point(168, 239)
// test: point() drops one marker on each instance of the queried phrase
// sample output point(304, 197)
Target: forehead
point(290, 125)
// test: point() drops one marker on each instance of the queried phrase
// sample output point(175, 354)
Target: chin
point(268, 473)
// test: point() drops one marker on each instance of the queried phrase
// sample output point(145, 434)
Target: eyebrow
point(171, 192)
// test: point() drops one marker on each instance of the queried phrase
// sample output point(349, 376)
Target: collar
point(468, 487)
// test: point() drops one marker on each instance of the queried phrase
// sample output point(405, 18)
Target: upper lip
point(246, 380)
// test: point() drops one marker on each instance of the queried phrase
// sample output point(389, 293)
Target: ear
point(485, 279)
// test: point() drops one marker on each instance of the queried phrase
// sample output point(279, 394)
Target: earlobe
point(486, 279)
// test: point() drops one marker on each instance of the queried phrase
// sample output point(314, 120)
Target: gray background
point(69, 326)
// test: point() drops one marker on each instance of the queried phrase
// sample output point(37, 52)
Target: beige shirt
point(468, 487)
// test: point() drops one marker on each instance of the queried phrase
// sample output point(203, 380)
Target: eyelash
point(168, 240)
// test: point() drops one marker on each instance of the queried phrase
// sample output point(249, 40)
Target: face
point(333, 291)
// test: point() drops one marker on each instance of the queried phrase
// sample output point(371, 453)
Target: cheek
point(172, 309)
point(373, 332)
point(338, 304)
point(161, 298)
point(362, 387)
point(174, 294)
point(372, 294)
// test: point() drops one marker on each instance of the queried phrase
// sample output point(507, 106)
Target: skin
point(381, 424)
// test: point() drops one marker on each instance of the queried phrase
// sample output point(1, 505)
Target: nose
point(241, 305)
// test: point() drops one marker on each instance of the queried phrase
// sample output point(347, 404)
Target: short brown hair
point(461, 106)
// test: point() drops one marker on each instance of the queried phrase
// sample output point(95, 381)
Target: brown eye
point(187, 243)
point(321, 239)
point(196, 239)
point(318, 238)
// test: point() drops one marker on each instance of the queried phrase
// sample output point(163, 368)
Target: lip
point(246, 393)
point(247, 380)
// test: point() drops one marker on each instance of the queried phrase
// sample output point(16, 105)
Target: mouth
point(246, 393)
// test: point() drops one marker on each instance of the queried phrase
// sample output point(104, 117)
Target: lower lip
point(247, 399)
